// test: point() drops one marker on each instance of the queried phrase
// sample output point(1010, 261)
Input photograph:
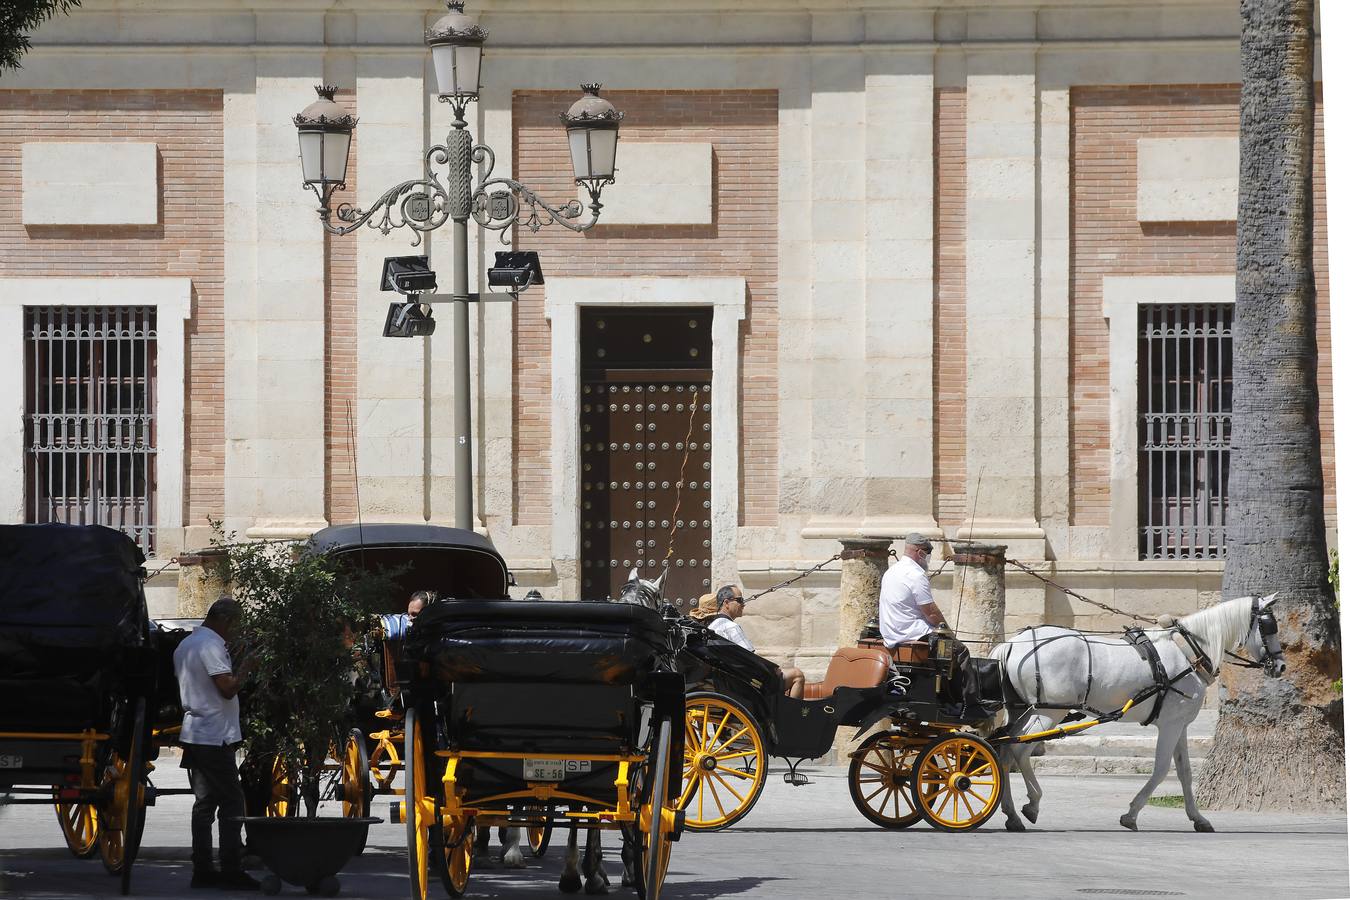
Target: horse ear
point(1269, 599)
point(660, 581)
point(633, 575)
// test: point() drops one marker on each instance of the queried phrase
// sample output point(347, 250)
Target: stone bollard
point(201, 581)
point(980, 596)
point(863, 564)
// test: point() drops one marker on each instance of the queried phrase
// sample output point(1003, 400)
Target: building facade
point(866, 269)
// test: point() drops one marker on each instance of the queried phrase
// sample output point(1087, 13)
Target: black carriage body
point(548, 679)
point(793, 729)
point(76, 645)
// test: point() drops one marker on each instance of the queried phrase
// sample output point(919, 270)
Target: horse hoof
point(1031, 813)
point(1014, 825)
point(513, 859)
point(569, 884)
point(1204, 827)
point(596, 886)
point(1129, 823)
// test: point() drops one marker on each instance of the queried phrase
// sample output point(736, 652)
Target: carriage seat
point(855, 667)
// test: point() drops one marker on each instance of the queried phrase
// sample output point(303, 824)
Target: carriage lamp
point(448, 192)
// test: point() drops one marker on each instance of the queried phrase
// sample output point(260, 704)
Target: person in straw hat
point(719, 613)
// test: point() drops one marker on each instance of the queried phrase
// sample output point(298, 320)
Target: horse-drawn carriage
point(87, 693)
point(929, 765)
point(507, 713)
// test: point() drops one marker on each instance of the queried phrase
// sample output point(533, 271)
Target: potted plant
point(301, 614)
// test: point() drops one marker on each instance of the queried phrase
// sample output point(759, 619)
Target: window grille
point(89, 428)
point(1185, 428)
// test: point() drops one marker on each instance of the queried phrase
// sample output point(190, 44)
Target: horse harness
point(1199, 663)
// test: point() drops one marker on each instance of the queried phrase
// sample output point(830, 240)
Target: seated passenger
point(418, 602)
point(730, 606)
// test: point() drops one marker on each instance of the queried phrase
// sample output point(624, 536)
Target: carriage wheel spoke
point(717, 799)
point(969, 809)
point(737, 754)
point(737, 773)
point(728, 741)
point(720, 725)
point(723, 783)
point(876, 768)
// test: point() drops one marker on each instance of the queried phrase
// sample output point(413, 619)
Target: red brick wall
point(187, 126)
point(949, 309)
point(742, 127)
point(1107, 240)
point(339, 357)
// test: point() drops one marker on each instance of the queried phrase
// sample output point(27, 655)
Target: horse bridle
point(1264, 620)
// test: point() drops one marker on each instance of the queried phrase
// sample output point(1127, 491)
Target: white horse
point(1055, 671)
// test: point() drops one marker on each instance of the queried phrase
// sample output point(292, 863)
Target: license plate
point(11, 761)
point(554, 769)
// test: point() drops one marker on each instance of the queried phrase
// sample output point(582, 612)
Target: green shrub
point(301, 613)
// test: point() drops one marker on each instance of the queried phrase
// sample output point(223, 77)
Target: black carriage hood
point(453, 562)
point(70, 586)
point(539, 640)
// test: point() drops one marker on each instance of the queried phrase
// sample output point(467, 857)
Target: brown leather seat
point(856, 667)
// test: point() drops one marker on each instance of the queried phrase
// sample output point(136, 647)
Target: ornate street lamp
point(424, 204)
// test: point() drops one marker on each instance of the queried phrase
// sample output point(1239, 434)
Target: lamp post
point(427, 203)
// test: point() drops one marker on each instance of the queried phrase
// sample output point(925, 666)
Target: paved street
point(810, 843)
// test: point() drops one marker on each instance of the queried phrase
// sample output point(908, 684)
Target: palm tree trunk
point(1280, 742)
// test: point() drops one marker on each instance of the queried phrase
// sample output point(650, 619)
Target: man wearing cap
point(908, 613)
point(208, 687)
point(730, 606)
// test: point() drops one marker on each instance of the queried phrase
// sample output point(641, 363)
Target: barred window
point(89, 428)
point(1185, 428)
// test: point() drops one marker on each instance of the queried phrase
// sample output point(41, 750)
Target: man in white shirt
point(730, 607)
point(907, 609)
point(907, 612)
point(209, 688)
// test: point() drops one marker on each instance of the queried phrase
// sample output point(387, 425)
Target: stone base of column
point(1024, 538)
point(285, 529)
point(201, 581)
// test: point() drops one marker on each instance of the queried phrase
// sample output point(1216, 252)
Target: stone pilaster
point(1001, 377)
point(896, 390)
point(276, 418)
point(391, 410)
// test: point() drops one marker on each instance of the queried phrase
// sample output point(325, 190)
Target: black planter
point(306, 852)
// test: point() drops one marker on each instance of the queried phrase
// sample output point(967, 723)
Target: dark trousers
point(215, 784)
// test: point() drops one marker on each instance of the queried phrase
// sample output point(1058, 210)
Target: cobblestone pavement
point(811, 843)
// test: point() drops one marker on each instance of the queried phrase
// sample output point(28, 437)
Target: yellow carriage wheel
point(656, 816)
point(283, 795)
point(724, 762)
point(879, 777)
point(419, 809)
point(115, 789)
point(79, 826)
point(457, 844)
point(356, 789)
point(957, 782)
